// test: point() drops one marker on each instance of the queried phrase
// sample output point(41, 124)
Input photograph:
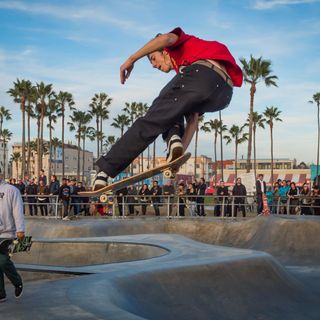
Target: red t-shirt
point(189, 49)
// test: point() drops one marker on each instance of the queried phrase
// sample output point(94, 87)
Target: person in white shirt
point(12, 226)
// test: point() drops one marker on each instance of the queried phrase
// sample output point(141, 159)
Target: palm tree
point(257, 121)
point(55, 143)
point(99, 109)
point(63, 99)
point(86, 132)
point(20, 92)
point(316, 99)
point(272, 114)
point(222, 129)
point(200, 120)
point(109, 142)
point(214, 126)
point(78, 120)
point(6, 136)
point(236, 134)
point(4, 115)
point(52, 118)
point(44, 92)
point(31, 100)
point(120, 122)
point(255, 71)
point(16, 158)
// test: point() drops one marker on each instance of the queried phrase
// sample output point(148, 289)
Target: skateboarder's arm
point(156, 44)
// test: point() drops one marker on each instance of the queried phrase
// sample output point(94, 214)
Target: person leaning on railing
point(293, 198)
point(181, 193)
point(222, 198)
point(144, 194)
point(305, 200)
point(239, 190)
point(191, 200)
point(316, 200)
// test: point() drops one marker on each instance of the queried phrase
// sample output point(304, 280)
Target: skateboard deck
point(11, 246)
point(168, 169)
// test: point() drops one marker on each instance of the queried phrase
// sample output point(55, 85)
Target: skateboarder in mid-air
point(206, 73)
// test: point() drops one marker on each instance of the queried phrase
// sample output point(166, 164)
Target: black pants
point(7, 268)
point(200, 206)
point(196, 89)
point(33, 208)
point(259, 203)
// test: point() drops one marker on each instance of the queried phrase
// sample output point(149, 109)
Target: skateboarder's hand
point(125, 70)
point(20, 235)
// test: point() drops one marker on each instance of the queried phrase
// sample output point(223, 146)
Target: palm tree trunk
point(38, 148)
point(215, 159)
point(317, 170)
point(254, 153)
point(221, 148)
point(195, 153)
point(4, 159)
point(100, 150)
point(23, 153)
point(78, 160)
point(154, 154)
point(29, 140)
point(50, 151)
point(17, 168)
point(236, 162)
point(55, 159)
point(83, 155)
point(252, 92)
point(41, 141)
point(271, 137)
point(62, 141)
point(97, 125)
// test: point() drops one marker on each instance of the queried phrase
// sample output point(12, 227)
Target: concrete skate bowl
point(244, 288)
point(76, 253)
point(293, 241)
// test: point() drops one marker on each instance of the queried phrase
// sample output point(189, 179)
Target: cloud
point(93, 13)
point(270, 4)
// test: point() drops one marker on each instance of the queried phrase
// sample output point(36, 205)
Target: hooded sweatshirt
point(11, 211)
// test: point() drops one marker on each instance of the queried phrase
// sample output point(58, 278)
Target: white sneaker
point(100, 181)
point(66, 218)
point(175, 148)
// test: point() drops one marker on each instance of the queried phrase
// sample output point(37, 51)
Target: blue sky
point(79, 45)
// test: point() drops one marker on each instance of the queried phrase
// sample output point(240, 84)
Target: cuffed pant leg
point(7, 267)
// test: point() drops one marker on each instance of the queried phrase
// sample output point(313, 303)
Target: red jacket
point(189, 49)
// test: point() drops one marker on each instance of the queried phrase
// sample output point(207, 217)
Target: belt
point(221, 73)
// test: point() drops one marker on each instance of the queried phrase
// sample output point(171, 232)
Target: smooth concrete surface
point(79, 252)
point(293, 240)
point(193, 280)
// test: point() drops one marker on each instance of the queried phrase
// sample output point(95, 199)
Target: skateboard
point(168, 170)
point(11, 246)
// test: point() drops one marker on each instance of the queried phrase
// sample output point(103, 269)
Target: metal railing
point(170, 205)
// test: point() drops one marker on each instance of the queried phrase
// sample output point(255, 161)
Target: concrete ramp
point(256, 288)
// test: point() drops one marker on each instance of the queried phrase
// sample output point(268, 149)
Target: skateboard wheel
point(168, 174)
point(104, 198)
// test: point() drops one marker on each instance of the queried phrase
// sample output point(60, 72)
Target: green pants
point(7, 267)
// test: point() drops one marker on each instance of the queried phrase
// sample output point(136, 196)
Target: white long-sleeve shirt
point(11, 211)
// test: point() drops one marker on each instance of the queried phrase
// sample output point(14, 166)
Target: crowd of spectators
point(45, 198)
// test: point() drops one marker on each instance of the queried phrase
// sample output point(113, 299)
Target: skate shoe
point(175, 148)
point(18, 291)
point(100, 181)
